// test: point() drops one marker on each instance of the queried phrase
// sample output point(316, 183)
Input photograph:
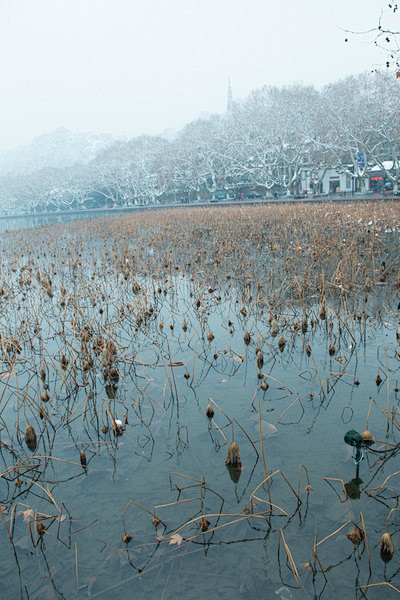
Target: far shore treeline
point(260, 146)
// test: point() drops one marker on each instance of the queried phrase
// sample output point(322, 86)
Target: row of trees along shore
point(259, 146)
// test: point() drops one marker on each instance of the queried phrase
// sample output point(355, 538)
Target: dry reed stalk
point(290, 405)
point(47, 492)
point(331, 535)
point(319, 378)
point(383, 485)
point(308, 479)
point(241, 517)
point(341, 481)
point(383, 583)
point(293, 567)
point(366, 541)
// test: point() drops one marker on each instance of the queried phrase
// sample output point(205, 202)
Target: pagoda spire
point(229, 101)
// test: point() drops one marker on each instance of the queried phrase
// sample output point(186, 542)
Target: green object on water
point(353, 438)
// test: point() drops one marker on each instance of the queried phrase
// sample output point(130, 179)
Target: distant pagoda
point(229, 101)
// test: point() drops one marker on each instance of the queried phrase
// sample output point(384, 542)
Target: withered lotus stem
point(367, 438)
point(387, 549)
point(204, 524)
point(83, 458)
point(356, 536)
point(233, 458)
point(331, 349)
point(247, 338)
point(209, 411)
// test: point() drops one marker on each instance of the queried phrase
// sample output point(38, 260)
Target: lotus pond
point(176, 388)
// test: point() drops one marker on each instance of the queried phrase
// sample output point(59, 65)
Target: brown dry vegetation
point(88, 307)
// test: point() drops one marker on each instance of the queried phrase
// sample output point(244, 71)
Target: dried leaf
point(176, 539)
point(27, 515)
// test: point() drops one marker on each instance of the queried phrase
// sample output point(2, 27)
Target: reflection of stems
point(320, 382)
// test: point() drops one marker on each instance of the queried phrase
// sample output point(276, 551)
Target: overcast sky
point(128, 67)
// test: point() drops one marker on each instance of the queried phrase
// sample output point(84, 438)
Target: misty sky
point(128, 67)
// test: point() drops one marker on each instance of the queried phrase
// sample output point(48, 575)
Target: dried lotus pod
point(83, 458)
point(331, 349)
point(260, 360)
point(281, 342)
point(45, 396)
point(367, 438)
point(247, 338)
point(264, 386)
point(210, 337)
point(356, 536)
point(274, 327)
point(308, 350)
point(378, 380)
point(30, 438)
point(233, 458)
point(64, 362)
point(127, 538)
point(387, 549)
point(209, 411)
point(204, 524)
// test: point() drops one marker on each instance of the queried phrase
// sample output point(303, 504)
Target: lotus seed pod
point(30, 437)
point(331, 349)
point(281, 342)
point(247, 338)
point(233, 458)
point(209, 411)
point(204, 524)
point(367, 438)
point(83, 458)
point(274, 327)
point(356, 536)
point(387, 549)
